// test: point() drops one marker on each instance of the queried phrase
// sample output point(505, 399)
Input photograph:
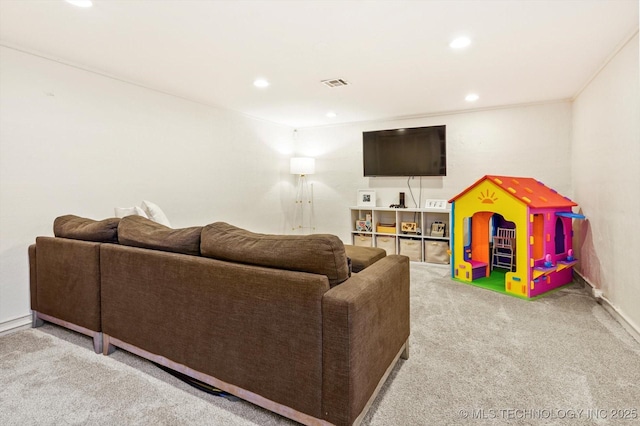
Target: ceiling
point(394, 54)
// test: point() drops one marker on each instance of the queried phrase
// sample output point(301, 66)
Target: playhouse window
point(538, 236)
point(466, 226)
point(466, 236)
point(560, 236)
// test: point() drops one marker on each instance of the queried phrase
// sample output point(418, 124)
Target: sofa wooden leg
point(97, 343)
point(405, 352)
point(107, 348)
point(36, 321)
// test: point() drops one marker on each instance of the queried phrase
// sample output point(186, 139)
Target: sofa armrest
point(365, 325)
point(67, 281)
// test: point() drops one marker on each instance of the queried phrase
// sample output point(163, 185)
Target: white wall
point(74, 142)
point(606, 180)
point(530, 141)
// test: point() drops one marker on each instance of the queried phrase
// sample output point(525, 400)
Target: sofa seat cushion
point(318, 253)
point(81, 228)
point(362, 257)
point(138, 231)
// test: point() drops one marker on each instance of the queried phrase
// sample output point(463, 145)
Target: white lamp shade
point(303, 166)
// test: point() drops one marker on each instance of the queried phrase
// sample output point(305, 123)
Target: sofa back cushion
point(138, 231)
point(81, 228)
point(319, 253)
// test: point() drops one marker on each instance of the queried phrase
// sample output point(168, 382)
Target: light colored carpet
point(477, 357)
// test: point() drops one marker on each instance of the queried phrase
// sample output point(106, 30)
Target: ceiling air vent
point(335, 82)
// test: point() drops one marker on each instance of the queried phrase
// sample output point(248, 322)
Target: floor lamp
point(303, 166)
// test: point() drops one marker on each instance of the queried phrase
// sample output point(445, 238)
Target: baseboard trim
point(619, 316)
point(16, 324)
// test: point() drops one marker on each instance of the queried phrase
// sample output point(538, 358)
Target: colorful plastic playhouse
point(512, 235)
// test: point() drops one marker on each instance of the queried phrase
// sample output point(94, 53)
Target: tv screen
point(419, 151)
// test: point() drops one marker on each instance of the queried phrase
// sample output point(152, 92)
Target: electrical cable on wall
point(410, 191)
point(412, 197)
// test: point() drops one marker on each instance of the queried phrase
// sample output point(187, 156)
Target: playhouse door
point(480, 238)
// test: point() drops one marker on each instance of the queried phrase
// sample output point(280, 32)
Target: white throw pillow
point(129, 211)
point(155, 213)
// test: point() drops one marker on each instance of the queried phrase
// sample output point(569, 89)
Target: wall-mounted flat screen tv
point(420, 151)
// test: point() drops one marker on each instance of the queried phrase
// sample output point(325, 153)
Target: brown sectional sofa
point(276, 320)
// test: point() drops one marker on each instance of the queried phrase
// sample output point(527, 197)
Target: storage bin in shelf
point(361, 240)
point(412, 248)
point(436, 251)
point(388, 243)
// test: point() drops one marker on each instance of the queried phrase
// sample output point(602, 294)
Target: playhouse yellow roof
point(528, 190)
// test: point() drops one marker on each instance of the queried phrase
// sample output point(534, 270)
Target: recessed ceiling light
point(331, 114)
point(460, 43)
point(81, 3)
point(261, 83)
point(471, 97)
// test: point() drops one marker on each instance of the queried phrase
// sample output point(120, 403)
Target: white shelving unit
point(420, 246)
